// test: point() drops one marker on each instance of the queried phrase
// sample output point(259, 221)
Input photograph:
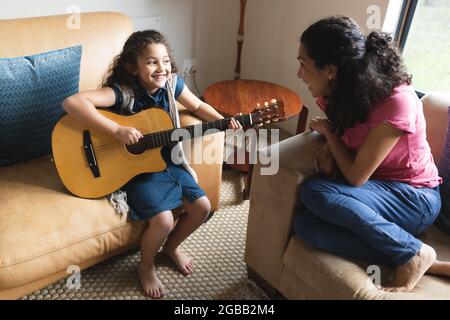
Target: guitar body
point(116, 165)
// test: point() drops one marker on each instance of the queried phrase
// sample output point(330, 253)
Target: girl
point(143, 75)
point(388, 192)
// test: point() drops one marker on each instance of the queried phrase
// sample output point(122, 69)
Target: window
point(423, 36)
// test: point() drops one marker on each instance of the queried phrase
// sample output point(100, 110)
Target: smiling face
point(153, 67)
point(319, 81)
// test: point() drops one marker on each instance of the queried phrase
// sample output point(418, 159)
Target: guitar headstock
point(270, 112)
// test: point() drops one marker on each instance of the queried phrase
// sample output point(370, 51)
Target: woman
point(387, 188)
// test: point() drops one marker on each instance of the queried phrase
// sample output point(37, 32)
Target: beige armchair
point(285, 266)
point(44, 229)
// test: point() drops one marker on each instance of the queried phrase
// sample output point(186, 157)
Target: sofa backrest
point(435, 108)
point(101, 34)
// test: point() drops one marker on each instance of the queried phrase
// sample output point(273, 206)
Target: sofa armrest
point(273, 202)
point(208, 165)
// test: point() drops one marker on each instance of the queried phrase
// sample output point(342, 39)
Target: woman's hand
point(128, 135)
point(324, 162)
point(320, 125)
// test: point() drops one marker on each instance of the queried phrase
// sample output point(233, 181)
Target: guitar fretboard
point(169, 137)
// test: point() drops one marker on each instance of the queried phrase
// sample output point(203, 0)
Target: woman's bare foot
point(440, 268)
point(408, 275)
point(182, 260)
point(150, 282)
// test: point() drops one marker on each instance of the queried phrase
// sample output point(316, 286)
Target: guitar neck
point(169, 137)
point(198, 130)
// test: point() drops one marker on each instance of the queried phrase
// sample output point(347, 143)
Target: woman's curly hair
point(121, 69)
point(368, 68)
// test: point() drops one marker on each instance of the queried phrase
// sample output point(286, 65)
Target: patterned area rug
point(218, 250)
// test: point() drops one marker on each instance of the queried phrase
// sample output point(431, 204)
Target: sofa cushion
point(44, 229)
point(443, 220)
point(32, 90)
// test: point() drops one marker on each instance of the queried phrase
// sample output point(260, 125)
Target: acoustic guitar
point(92, 164)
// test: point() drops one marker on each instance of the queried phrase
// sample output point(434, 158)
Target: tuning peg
point(259, 125)
point(273, 101)
point(275, 120)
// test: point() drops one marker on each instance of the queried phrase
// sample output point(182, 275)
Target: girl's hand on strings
point(128, 135)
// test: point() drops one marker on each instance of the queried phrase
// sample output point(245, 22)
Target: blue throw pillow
point(32, 89)
point(443, 221)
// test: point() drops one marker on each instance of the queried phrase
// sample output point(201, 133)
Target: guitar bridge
point(90, 154)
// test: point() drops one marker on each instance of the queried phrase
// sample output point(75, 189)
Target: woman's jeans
point(376, 222)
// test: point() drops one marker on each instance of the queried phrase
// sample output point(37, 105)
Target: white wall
point(272, 36)
point(216, 31)
point(206, 30)
point(177, 16)
point(203, 30)
point(271, 33)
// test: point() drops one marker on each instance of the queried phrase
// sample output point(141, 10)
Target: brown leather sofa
point(287, 267)
point(44, 229)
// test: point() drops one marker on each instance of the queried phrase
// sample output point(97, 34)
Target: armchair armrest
point(209, 171)
point(273, 199)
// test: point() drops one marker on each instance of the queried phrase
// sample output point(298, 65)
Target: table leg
point(302, 118)
point(248, 182)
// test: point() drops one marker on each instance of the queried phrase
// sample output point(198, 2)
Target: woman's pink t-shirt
point(410, 160)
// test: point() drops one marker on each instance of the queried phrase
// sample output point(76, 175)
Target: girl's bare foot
point(150, 282)
point(182, 260)
point(408, 275)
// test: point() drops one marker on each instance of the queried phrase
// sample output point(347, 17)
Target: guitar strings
point(162, 136)
point(158, 139)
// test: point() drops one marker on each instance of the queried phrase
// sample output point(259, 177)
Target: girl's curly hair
point(368, 68)
point(120, 70)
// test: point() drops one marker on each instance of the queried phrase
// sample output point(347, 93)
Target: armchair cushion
point(50, 229)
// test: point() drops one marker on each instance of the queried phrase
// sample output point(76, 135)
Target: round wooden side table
point(232, 97)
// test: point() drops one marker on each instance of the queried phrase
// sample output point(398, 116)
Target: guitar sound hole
point(135, 149)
